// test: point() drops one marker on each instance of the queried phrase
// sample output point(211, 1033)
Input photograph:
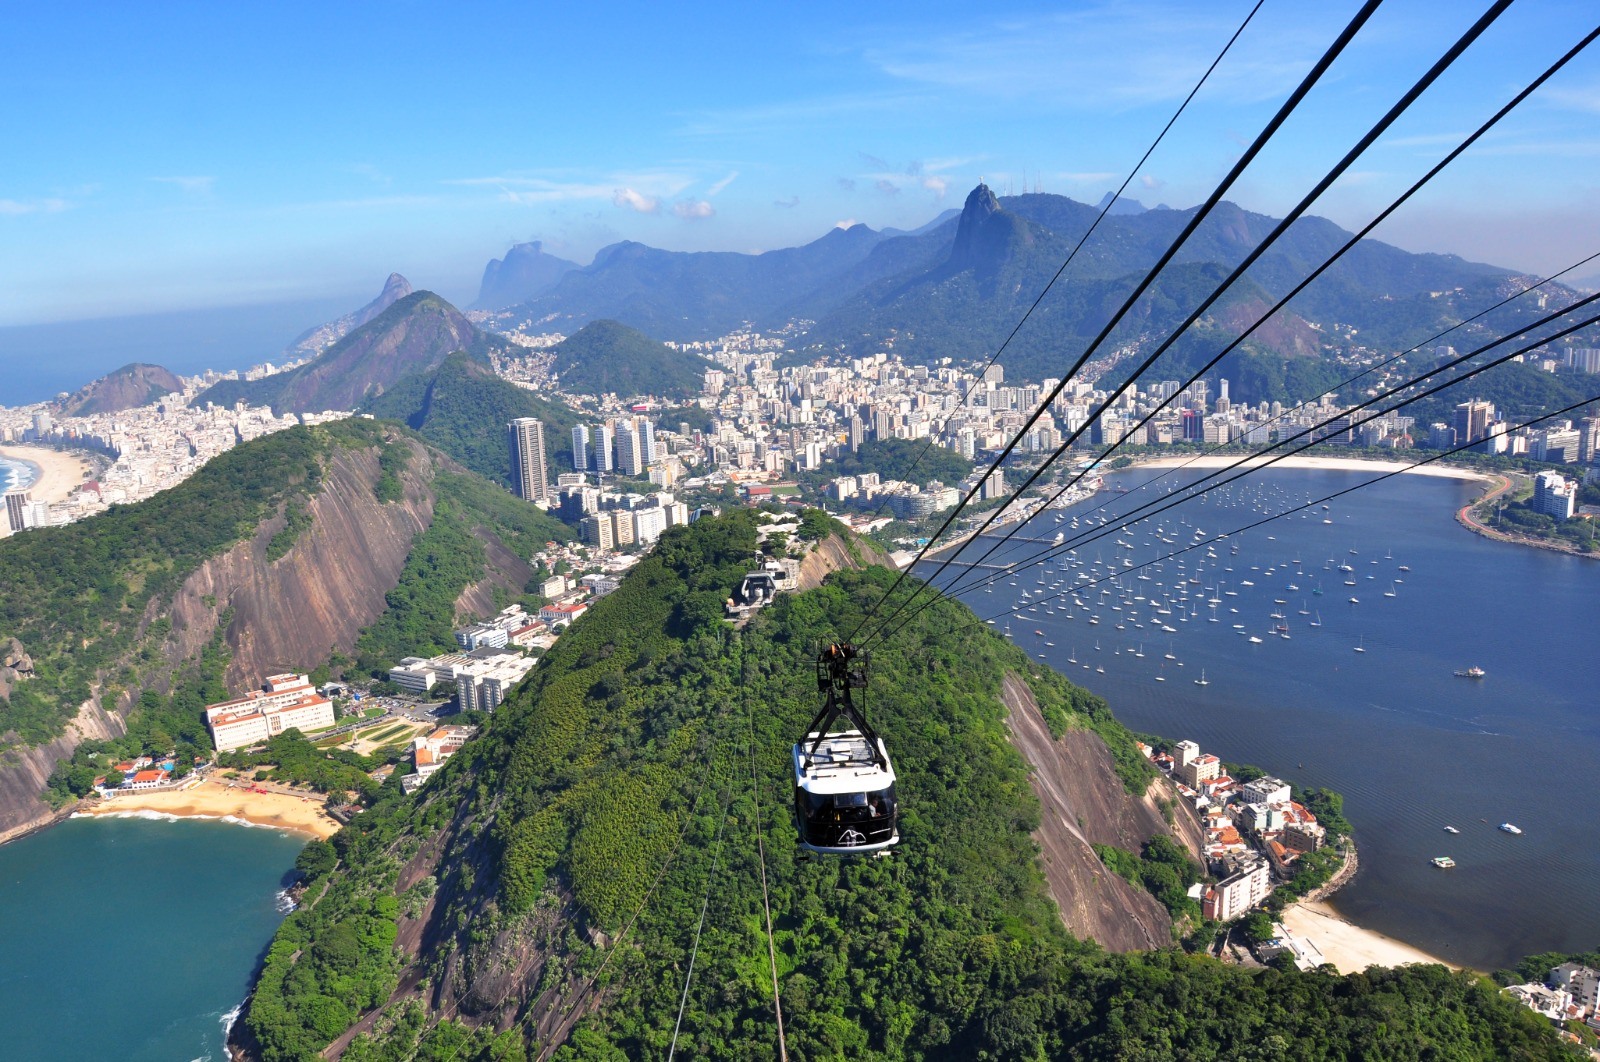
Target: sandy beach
point(1335, 464)
point(1347, 946)
point(214, 799)
point(59, 474)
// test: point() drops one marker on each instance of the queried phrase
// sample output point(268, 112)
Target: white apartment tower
point(529, 471)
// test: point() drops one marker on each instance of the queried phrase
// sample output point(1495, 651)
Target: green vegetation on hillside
point(444, 560)
point(593, 800)
point(463, 409)
point(605, 357)
point(77, 596)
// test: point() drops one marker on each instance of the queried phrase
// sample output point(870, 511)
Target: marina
point(1365, 697)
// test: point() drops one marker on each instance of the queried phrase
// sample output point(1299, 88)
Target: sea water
point(134, 939)
point(1411, 746)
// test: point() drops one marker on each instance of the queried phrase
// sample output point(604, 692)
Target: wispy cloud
point(18, 207)
point(1152, 182)
point(1106, 55)
point(720, 185)
point(787, 204)
point(643, 191)
point(1087, 177)
point(1576, 98)
point(937, 185)
point(847, 184)
point(190, 185)
point(847, 223)
point(693, 209)
point(633, 200)
point(886, 186)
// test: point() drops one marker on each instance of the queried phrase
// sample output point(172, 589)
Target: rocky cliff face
point(23, 771)
point(288, 614)
point(1084, 803)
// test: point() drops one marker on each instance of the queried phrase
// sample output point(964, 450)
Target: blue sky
point(216, 154)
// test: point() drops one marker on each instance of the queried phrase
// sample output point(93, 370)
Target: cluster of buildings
point(149, 449)
point(284, 702)
point(430, 751)
point(1254, 831)
point(1569, 993)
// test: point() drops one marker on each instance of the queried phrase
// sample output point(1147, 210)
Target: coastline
point(1348, 947)
point(214, 799)
point(56, 474)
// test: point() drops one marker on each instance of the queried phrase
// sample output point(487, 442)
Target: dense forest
point(545, 887)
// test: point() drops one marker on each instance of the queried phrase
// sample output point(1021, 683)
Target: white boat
point(1508, 828)
point(1451, 829)
point(1201, 681)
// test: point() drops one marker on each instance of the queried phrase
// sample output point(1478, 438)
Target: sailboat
point(1201, 681)
point(1389, 592)
point(1361, 648)
point(1318, 621)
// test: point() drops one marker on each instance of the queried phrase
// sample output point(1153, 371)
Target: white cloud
point(886, 186)
point(1114, 55)
point(720, 185)
point(644, 204)
point(17, 207)
point(937, 185)
point(847, 223)
point(1152, 182)
point(693, 209)
point(192, 185)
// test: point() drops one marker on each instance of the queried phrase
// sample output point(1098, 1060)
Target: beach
point(215, 799)
point(59, 473)
point(1333, 464)
point(1346, 945)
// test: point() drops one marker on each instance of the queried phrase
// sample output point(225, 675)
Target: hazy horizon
point(171, 160)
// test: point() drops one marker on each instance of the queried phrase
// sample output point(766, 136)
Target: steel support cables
point(1249, 461)
point(1110, 202)
point(1310, 80)
point(1112, 529)
point(1400, 106)
point(1350, 381)
point(761, 853)
point(1303, 284)
point(694, 951)
point(1205, 543)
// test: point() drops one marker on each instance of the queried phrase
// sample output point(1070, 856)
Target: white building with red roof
point(285, 702)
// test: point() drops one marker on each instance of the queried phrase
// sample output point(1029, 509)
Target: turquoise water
point(134, 939)
point(1412, 747)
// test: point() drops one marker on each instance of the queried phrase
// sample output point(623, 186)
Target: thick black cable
point(1296, 290)
point(1484, 21)
point(1201, 213)
point(1290, 512)
point(1190, 491)
point(1350, 381)
point(1124, 519)
point(1110, 202)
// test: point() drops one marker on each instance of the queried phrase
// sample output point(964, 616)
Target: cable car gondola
point(844, 794)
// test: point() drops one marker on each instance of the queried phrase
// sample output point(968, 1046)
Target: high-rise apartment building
point(529, 470)
point(580, 447)
point(1472, 421)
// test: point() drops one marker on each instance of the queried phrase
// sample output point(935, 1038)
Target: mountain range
point(957, 287)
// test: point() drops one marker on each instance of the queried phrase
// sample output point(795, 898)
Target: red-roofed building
point(146, 779)
point(285, 702)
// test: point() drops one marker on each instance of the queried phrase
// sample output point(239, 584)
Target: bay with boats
point(1370, 645)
